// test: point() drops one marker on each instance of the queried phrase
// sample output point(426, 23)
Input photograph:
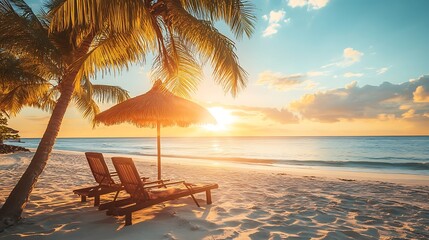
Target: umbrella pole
point(158, 143)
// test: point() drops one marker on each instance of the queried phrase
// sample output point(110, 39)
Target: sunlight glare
point(223, 118)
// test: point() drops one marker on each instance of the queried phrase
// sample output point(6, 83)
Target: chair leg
point(195, 200)
point(116, 195)
point(82, 198)
point(209, 197)
point(128, 219)
point(189, 187)
point(96, 200)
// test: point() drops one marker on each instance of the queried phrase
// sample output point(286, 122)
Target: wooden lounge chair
point(102, 176)
point(145, 195)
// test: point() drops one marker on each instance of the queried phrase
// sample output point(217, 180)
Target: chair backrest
point(99, 169)
point(129, 177)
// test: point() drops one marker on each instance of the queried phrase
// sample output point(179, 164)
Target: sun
point(223, 118)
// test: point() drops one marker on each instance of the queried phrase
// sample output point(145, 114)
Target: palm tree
point(50, 71)
point(181, 33)
point(111, 33)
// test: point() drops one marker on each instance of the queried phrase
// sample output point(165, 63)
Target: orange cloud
point(283, 115)
point(283, 82)
point(387, 109)
point(350, 56)
point(409, 114)
point(420, 95)
point(367, 102)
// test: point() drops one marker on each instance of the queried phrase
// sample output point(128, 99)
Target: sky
point(315, 68)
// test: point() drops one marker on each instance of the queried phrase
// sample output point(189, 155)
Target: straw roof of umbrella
point(158, 105)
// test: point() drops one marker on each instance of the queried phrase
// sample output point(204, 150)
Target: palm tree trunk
point(11, 211)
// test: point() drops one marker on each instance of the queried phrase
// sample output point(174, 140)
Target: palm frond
point(109, 94)
point(88, 95)
point(23, 82)
point(22, 69)
point(111, 52)
point(22, 34)
point(22, 95)
point(118, 15)
point(183, 74)
point(87, 106)
point(238, 14)
point(211, 45)
point(155, 21)
point(49, 99)
point(28, 13)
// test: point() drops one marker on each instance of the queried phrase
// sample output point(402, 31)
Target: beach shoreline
point(392, 155)
point(294, 170)
point(252, 202)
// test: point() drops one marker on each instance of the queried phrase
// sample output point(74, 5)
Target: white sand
point(251, 203)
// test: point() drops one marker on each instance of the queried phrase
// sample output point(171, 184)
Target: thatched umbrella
point(158, 107)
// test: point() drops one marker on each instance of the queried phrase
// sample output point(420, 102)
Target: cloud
point(317, 73)
point(420, 95)
point(350, 57)
point(351, 85)
point(405, 107)
point(352, 75)
point(311, 4)
point(283, 116)
point(386, 117)
point(409, 114)
point(297, 3)
point(382, 70)
point(283, 82)
point(368, 102)
point(274, 19)
point(279, 81)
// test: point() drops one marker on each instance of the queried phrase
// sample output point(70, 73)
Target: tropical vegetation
point(6, 133)
point(56, 56)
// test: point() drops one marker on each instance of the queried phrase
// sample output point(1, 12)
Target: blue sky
point(391, 35)
point(312, 49)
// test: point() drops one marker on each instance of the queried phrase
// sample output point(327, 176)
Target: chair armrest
point(144, 178)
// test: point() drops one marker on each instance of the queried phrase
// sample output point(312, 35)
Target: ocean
point(368, 154)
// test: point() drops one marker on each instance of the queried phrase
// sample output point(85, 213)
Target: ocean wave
point(389, 154)
point(396, 158)
point(363, 164)
point(354, 164)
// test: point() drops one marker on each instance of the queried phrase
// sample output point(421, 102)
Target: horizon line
point(423, 135)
